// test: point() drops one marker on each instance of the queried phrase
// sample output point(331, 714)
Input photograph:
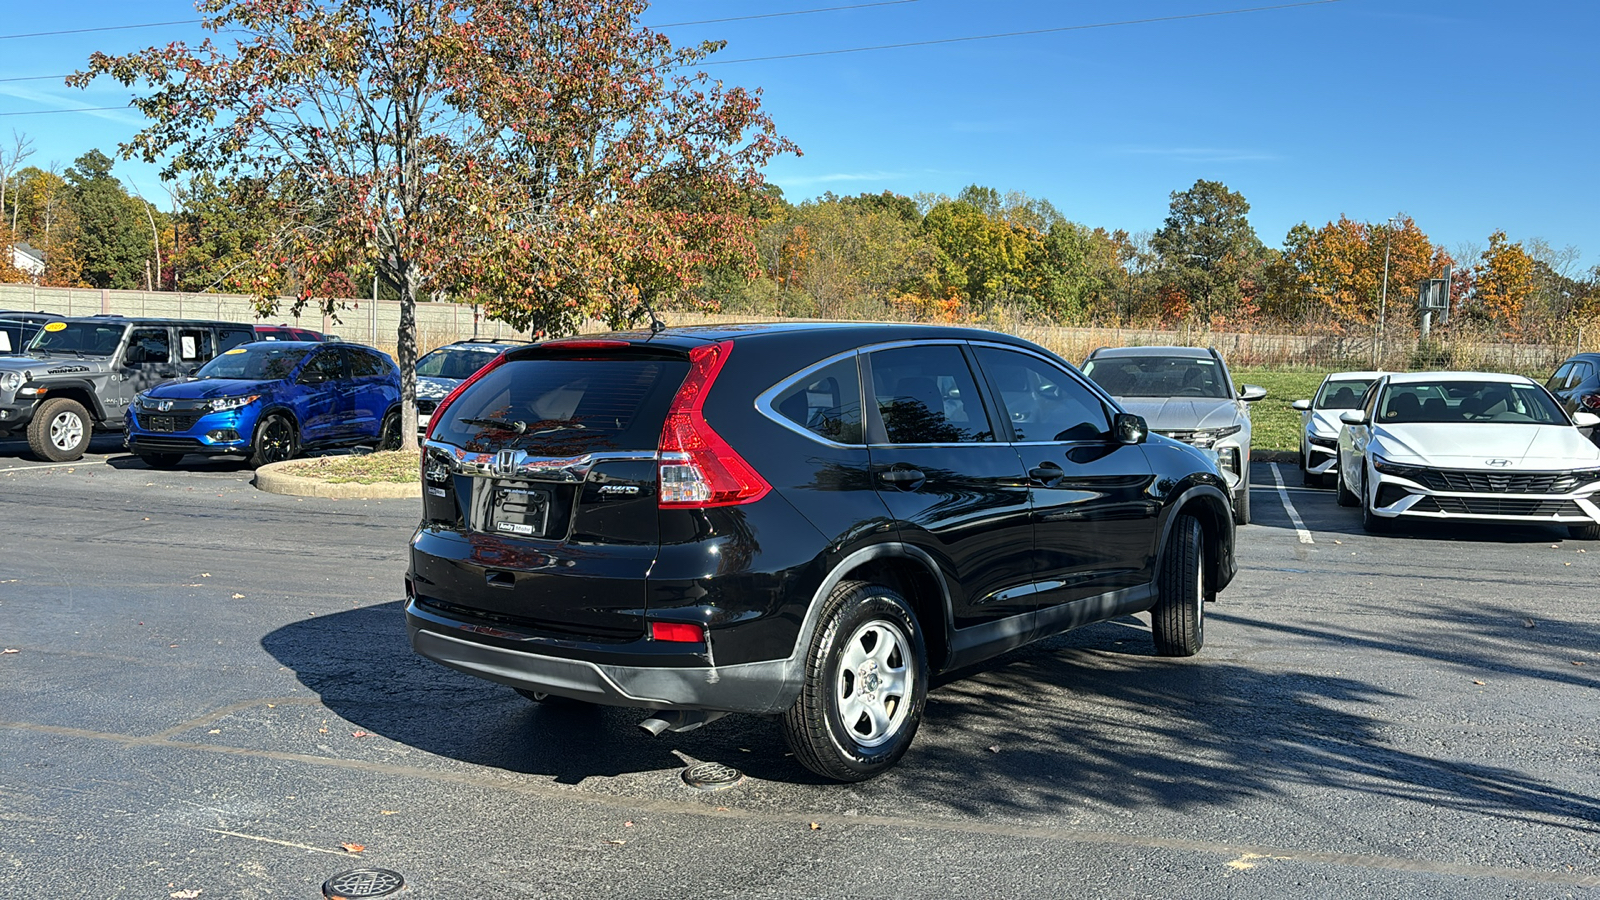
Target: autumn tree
point(1339, 269)
point(46, 220)
point(1209, 252)
point(1504, 281)
point(553, 159)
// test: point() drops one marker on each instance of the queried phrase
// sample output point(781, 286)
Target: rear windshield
point(565, 407)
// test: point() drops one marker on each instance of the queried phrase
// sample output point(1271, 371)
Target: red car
point(288, 332)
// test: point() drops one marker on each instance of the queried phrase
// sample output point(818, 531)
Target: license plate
point(519, 510)
point(160, 423)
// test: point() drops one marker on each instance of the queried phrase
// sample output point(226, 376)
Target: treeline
point(979, 256)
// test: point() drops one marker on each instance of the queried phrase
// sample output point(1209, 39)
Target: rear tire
point(275, 441)
point(866, 683)
point(1584, 532)
point(60, 430)
point(161, 460)
point(1177, 622)
point(389, 434)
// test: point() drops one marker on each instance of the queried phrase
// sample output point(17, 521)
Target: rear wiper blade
point(497, 424)
point(563, 426)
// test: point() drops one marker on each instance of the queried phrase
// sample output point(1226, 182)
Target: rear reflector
point(698, 468)
point(682, 632)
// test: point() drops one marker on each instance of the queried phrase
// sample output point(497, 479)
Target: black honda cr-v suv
point(803, 520)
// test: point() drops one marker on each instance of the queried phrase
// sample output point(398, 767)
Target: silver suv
point(1186, 394)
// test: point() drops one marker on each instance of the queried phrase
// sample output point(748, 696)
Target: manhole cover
point(362, 883)
point(712, 776)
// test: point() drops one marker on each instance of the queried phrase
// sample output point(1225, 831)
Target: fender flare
point(1224, 565)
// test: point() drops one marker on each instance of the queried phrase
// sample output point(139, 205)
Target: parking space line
point(1288, 507)
point(56, 466)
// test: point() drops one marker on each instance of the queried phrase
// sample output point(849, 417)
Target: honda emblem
point(505, 464)
point(164, 406)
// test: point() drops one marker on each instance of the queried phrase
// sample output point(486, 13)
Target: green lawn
point(1273, 425)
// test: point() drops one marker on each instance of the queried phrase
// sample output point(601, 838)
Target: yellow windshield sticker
point(233, 351)
point(56, 326)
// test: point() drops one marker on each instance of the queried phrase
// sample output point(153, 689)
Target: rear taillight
point(1590, 401)
point(683, 632)
point(698, 469)
point(438, 411)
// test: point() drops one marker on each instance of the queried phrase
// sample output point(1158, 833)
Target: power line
point(7, 37)
point(797, 12)
point(1008, 34)
point(927, 43)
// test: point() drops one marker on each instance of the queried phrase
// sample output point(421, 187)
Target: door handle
point(906, 479)
point(1046, 474)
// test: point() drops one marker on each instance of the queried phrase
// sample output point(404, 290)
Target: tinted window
point(1043, 402)
point(826, 402)
point(233, 337)
point(1558, 381)
point(329, 363)
point(560, 407)
point(1160, 376)
point(149, 345)
point(1343, 394)
point(927, 395)
point(261, 363)
point(1468, 401)
point(365, 364)
point(1581, 372)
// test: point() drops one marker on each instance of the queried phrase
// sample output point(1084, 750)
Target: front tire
point(59, 431)
point(1177, 622)
point(1584, 532)
point(1241, 503)
point(275, 441)
point(866, 683)
point(1346, 496)
point(1371, 522)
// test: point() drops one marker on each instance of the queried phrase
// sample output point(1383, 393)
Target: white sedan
point(1468, 446)
point(1319, 422)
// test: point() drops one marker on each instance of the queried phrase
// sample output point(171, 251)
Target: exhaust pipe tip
point(655, 726)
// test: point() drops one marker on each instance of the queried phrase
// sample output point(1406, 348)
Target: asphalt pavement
point(206, 691)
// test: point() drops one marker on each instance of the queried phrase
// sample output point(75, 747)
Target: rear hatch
point(540, 490)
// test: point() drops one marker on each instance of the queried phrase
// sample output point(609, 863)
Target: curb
point(274, 480)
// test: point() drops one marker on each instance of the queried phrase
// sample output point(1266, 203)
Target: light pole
point(1383, 296)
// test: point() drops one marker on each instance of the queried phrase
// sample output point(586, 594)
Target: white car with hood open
point(1468, 446)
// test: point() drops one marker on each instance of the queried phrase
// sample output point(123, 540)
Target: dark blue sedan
point(270, 401)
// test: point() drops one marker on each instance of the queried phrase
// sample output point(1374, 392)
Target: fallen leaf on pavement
point(994, 748)
point(387, 812)
point(1477, 682)
point(816, 826)
point(1528, 623)
point(359, 734)
point(1578, 662)
point(627, 824)
point(215, 731)
point(354, 848)
point(9, 650)
point(238, 596)
point(616, 843)
point(185, 895)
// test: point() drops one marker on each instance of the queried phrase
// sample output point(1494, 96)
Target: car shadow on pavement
point(1089, 717)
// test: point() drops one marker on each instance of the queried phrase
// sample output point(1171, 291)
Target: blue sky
point(1469, 115)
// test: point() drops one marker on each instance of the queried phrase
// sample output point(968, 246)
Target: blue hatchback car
point(270, 401)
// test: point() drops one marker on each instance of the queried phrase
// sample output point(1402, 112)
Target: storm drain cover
point(712, 776)
point(362, 883)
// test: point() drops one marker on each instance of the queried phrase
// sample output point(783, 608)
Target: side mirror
point(1130, 429)
point(1354, 417)
point(1585, 419)
point(1250, 393)
point(134, 356)
point(1302, 405)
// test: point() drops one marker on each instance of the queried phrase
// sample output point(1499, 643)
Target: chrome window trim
point(763, 402)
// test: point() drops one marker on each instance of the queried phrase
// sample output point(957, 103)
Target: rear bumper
point(602, 674)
